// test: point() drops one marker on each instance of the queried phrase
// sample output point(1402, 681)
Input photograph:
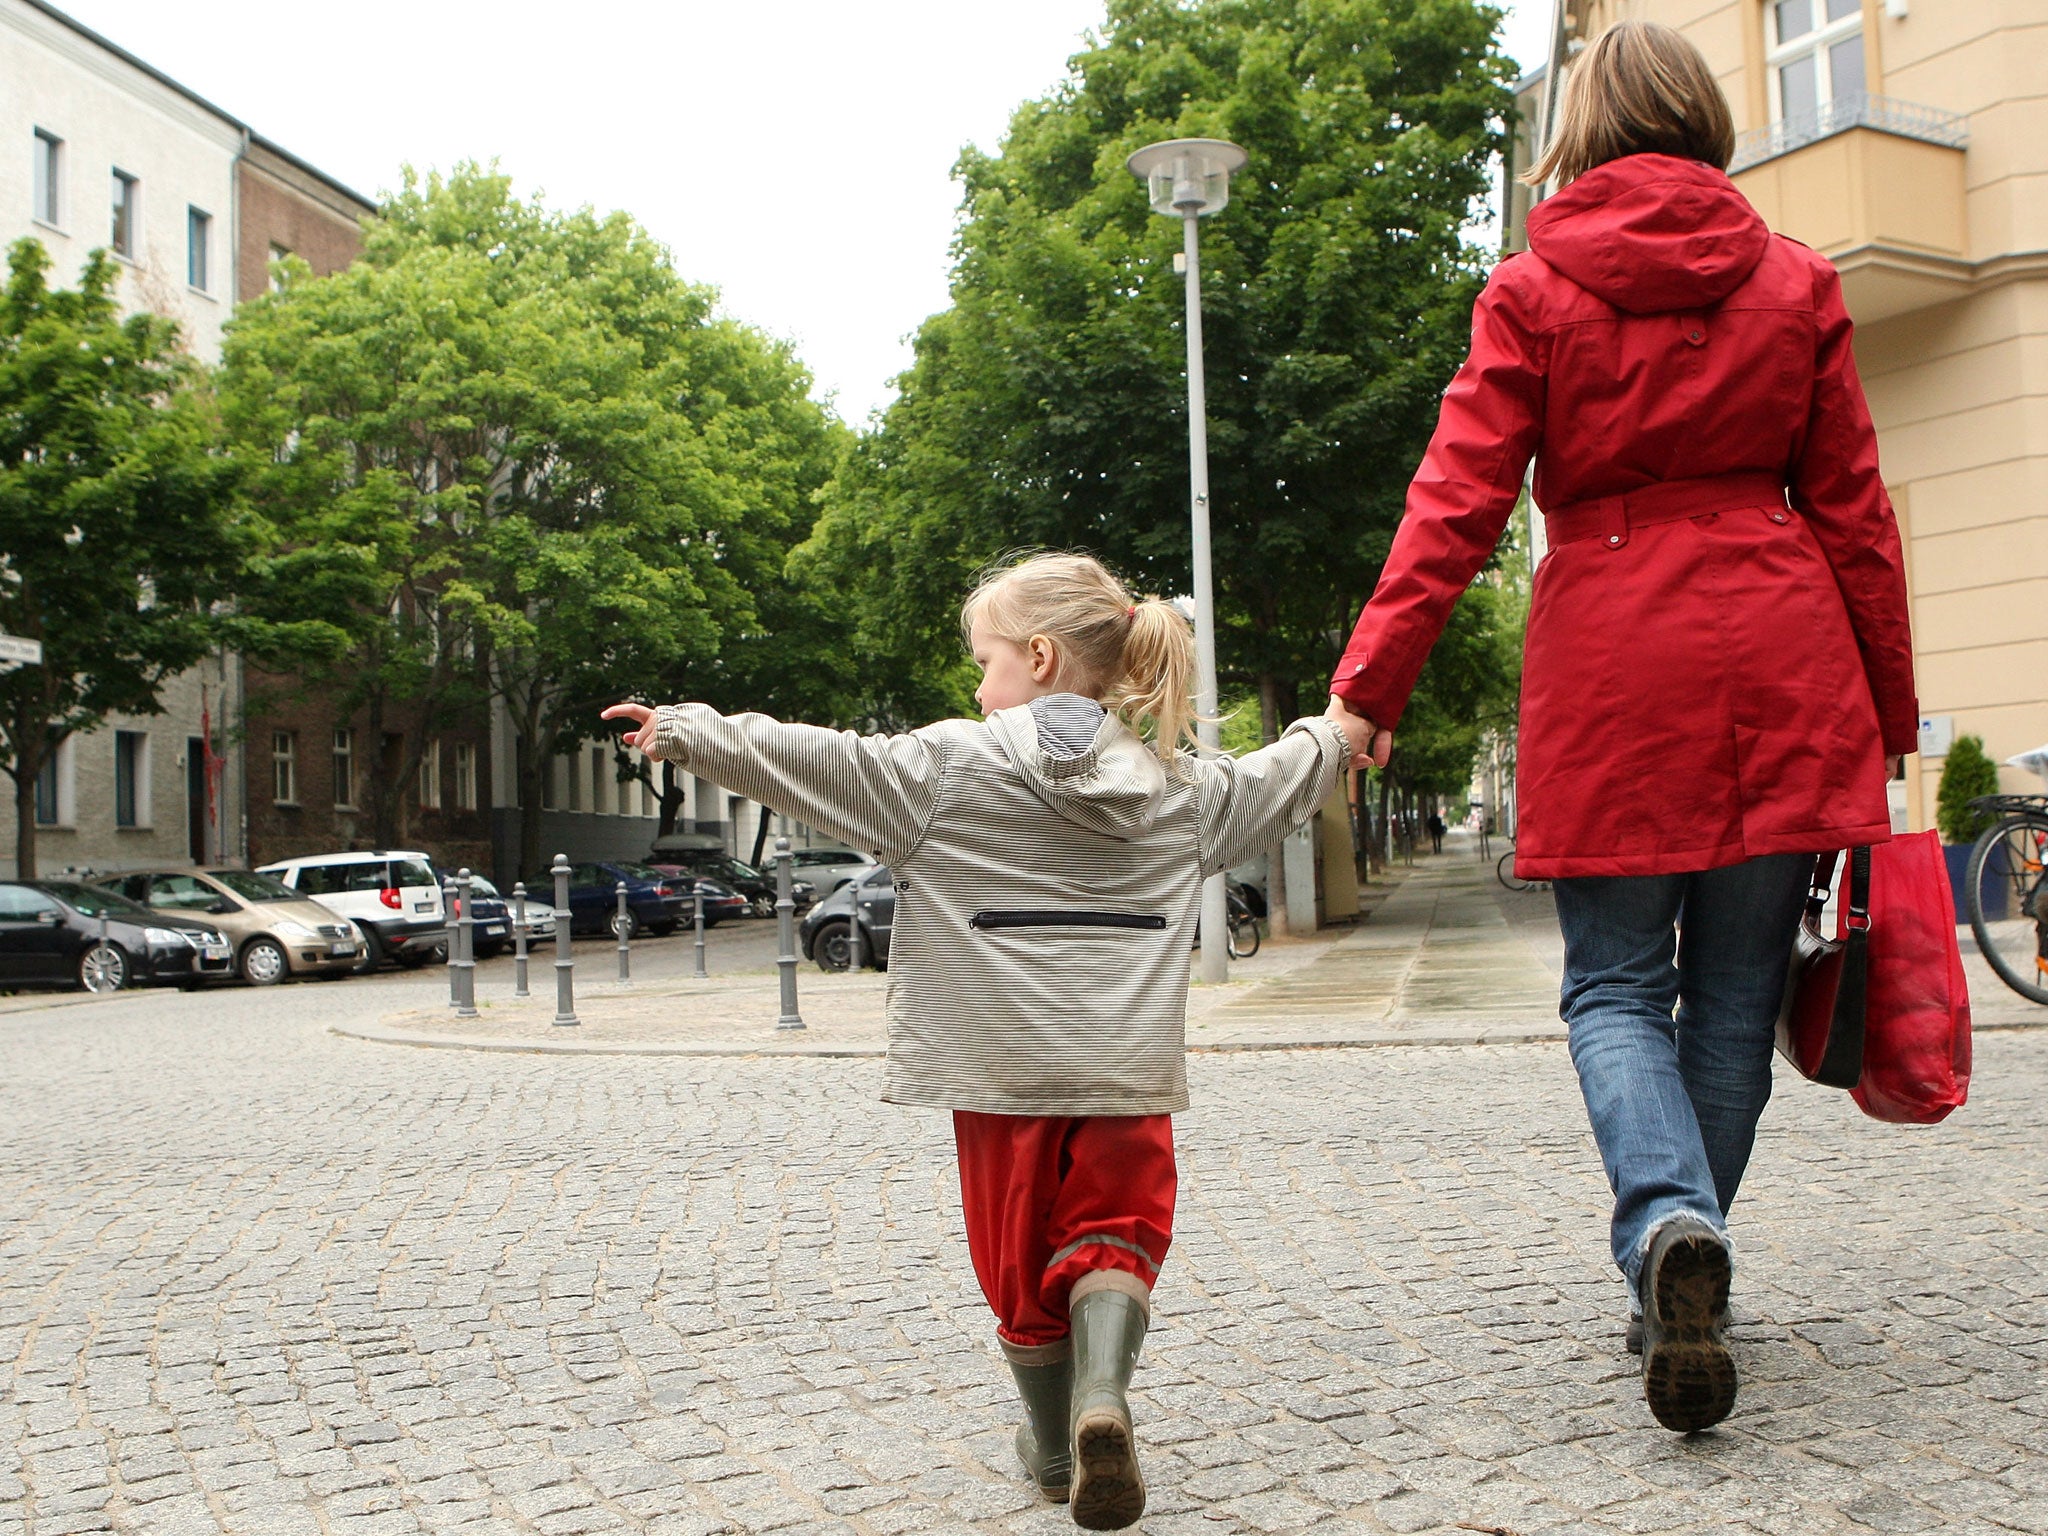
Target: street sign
point(1937, 735)
point(17, 652)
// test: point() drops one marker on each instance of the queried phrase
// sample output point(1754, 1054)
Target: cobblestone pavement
point(258, 1278)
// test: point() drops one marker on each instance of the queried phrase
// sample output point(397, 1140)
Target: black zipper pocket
point(1060, 917)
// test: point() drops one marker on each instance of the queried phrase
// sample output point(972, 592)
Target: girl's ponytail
point(1158, 676)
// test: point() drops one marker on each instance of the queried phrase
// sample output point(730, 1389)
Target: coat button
point(1614, 538)
point(1695, 337)
point(1780, 517)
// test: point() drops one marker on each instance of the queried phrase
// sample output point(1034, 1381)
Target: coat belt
point(1609, 518)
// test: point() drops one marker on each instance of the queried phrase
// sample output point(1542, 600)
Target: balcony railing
point(1887, 114)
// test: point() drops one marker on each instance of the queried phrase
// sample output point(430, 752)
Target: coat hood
point(1651, 233)
point(1116, 787)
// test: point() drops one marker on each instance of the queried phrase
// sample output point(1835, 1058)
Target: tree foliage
point(117, 527)
point(1046, 406)
point(509, 451)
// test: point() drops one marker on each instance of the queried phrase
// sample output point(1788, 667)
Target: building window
point(284, 767)
point(277, 254)
point(344, 769)
point(597, 780)
point(50, 786)
point(198, 249)
point(131, 778)
point(1815, 55)
point(430, 776)
point(127, 230)
point(48, 182)
point(465, 776)
point(572, 775)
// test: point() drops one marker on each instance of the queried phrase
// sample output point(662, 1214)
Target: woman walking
point(1047, 866)
point(1718, 659)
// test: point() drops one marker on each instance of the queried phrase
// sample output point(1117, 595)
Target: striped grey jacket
point(1045, 902)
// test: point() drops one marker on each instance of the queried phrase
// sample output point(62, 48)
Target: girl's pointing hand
point(642, 734)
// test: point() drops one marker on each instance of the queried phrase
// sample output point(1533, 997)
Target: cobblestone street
point(255, 1277)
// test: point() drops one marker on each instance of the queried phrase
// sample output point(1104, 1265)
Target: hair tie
point(1131, 612)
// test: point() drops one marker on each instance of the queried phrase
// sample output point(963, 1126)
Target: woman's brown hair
point(1640, 88)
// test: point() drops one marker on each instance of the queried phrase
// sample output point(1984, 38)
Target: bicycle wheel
point(1244, 936)
point(1505, 871)
point(2008, 902)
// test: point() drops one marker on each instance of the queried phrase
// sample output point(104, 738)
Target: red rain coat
point(1718, 655)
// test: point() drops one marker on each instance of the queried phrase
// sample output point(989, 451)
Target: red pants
point(1049, 1198)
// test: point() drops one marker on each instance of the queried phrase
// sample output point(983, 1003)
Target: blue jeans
point(1672, 1035)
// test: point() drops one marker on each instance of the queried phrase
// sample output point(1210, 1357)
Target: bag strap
point(1821, 886)
point(1857, 920)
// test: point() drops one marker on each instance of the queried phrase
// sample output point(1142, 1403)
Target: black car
point(675, 857)
point(50, 936)
point(826, 931)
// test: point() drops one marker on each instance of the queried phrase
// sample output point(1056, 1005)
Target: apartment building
point(1907, 140)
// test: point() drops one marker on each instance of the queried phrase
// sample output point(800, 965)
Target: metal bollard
point(854, 958)
point(623, 927)
point(565, 967)
point(519, 940)
point(698, 887)
point(448, 899)
point(462, 950)
point(785, 934)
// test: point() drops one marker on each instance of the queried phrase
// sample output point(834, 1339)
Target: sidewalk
point(1446, 957)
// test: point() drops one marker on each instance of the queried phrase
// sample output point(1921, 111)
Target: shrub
point(1967, 774)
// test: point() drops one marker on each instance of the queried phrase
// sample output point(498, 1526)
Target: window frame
point(465, 776)
point(1818, 42)
point(198, 249)
point(131, 760)
point(284, 767)
point(47, 180)
point(57, 770)
point(123, 233)
point(430, 775)
point(344, 768)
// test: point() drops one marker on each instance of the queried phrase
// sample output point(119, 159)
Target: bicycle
point(1241, 930)
point(1504, 871)
point(2010, 919)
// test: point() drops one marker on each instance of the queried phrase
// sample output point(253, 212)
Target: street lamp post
point(1187, 179)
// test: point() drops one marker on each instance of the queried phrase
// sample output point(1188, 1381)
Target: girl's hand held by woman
point(642, 734)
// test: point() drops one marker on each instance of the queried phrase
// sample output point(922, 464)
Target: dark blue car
point(655, 903)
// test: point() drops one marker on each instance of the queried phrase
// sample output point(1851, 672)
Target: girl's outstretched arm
point(1249, 801)
point(876, 793)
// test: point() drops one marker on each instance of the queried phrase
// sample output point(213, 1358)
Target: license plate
point(342, 949)
point(423, 906)
point(215, 951)
point(492, 930)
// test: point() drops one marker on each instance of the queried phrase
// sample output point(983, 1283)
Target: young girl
point(1048, 863)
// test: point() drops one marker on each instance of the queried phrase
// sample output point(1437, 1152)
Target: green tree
point(1967, 774)
point(117, 527)
point(511, 451)
point(1046, 406)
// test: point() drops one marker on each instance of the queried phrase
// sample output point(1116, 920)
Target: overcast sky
point(793, 153)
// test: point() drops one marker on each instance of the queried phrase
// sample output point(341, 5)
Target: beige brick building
point(1907, 140)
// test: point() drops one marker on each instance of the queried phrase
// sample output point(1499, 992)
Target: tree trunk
point(25, 820)
point(671, 800)
point(1276, 851)
point(533, 759)
point(760, 837)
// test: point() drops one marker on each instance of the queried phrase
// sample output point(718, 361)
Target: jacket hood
point(1651, 233)
point(1115, 787)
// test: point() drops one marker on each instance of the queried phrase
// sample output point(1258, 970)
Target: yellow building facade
point(1907, 140)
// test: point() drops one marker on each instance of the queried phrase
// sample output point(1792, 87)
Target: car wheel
point(762, 906)
point(832, 947)
point(264, 963)
point(413, 959)
point(373, 950)
point(103, 968)
point(629, 925)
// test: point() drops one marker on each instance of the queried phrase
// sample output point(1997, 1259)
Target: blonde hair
point(1136, 656)
point(1640, 88)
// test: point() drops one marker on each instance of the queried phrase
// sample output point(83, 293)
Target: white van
point(392, 898)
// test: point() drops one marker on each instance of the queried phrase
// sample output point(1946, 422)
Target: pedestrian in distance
point(1436, 832)
point(1048, 862)
point(1717, 662)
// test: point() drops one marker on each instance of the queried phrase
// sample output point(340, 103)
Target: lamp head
point(1184, 176)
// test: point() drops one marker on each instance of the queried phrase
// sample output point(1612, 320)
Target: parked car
point(720, 902)
point(827, 929)
point(50, 936)
point(493, 914)
point(698, 853)
point(829, 868)
point(276, 932)
point(393, 899)
point(656, 903)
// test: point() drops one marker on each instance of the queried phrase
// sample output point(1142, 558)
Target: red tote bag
point(1916, 1022)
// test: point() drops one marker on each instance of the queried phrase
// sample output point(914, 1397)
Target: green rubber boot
point(1044, 1378)
point(1109, 1330)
